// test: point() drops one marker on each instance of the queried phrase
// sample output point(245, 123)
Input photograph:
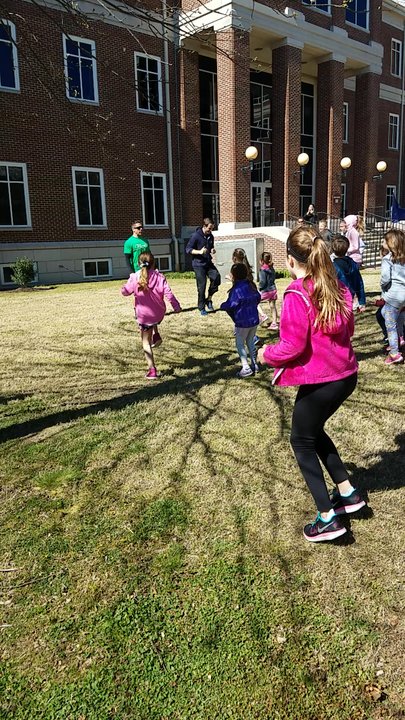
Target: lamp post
point(302, 160)
point(251, 154)
point(381, 168)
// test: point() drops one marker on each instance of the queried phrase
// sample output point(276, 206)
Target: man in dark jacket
point(201, 247)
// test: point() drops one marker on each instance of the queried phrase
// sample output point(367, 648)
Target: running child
point(267, 286)
point(347, 270)
point(239, 256)
point(393, 291)
point(315, 353)
point(241, 306)
point(149, 288)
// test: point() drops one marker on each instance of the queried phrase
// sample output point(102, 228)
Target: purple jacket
point(305, 354)
point(242, 303)
point(149, 303)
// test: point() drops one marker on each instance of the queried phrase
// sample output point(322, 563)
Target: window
point(389, 193)
point(357, 13)
point(345, 122)
point(393, 132)
point(14, 201)
point(319, 4)
point(154, 201)
point(6, 274)
point(88, 191)
point(396, 57)
point(148, 82)
point(209, 138)
point(80, 69)
point(343, 200)
point(9, 79)
point(163, 263)
point(260, 125)
point(97, 268)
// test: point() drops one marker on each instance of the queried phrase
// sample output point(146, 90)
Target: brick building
point(136, 111)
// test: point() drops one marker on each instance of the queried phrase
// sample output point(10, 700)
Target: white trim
point(76, 39)
point(391, 126)
point(102, 194)
point(394, 189)
point(26, 196)
point(387, 92)
point(314, 7)
point(160, 257)
point(4, 88)
point(397, 53)
point(98, 275)
point(2, 280)
point(152, 174)
point(160, 88)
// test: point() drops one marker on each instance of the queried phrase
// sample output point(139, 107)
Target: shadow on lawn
point(219, 367)
point(386, 474)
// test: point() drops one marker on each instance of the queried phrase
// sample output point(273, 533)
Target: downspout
point(401, 137)
point(169, 139)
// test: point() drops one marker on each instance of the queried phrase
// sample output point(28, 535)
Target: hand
point(203, 251)
point(361, 308)
point(260, 355)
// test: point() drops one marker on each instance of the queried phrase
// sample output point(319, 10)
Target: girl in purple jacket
point(315, 352)
point(150, 288)
point(241, 307)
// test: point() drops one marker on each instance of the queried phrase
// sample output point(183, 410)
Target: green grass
point(156, 528)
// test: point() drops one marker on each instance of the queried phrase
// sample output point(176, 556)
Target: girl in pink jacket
point(315, 352)
point(149, 288)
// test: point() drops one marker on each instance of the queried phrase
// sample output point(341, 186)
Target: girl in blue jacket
point(241, 306)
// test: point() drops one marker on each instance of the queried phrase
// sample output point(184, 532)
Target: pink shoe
point(394, 359)
point(273, 326)
point(152, 374)
point(156, 340)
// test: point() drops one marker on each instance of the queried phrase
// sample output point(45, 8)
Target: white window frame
point(26, 197)
point(396, 57)
point(393, 189)
point(366, 27)
point(160, 257)
point(162, 175)
point(391, 126)
point(13, 34)
point(74, 38)
point(2, 280)
point(314, 6)
point(345, 122)
point(96, 260)
point(103, 206)
point(160, 84)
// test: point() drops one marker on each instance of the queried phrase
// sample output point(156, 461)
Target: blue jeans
point(243, 337)
point(394, 319)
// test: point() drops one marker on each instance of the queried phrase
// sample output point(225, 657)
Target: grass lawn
point(152, 531)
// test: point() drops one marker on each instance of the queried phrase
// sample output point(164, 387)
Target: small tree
point(23, 272)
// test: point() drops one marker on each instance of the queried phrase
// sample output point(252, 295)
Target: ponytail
point(309, 249)
point(146, 263)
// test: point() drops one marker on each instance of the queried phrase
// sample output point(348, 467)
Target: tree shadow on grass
point(386, 474)
point(212, 369)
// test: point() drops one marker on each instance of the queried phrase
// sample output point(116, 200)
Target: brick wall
point(329, 136)
point(366, 139)
point(190, 138)
point(58, 134)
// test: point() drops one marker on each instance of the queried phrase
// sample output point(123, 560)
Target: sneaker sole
point(347, 509)
point(326, 535)
point(156, 344)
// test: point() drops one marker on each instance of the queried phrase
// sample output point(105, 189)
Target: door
point(262, 212)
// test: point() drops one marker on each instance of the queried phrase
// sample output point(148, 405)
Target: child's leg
point(273, 311)
point(314, 404)
point(240, 339)
point(400, 326)
point(381, 321)
point(146, 337)
point(250, 342)
point(390, 315)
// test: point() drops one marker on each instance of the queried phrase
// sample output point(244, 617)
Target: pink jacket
point(149, 303)
point(353, 237)
point(305, 354)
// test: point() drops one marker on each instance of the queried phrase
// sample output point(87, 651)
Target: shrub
point(23, 272)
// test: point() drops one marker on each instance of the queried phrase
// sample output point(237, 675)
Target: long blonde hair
point(395, 240)
point(146, 263)
point(309, 249)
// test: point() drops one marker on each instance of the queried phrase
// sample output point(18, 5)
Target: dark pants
point(381, 322)
point(201, 274)
point(314, 405)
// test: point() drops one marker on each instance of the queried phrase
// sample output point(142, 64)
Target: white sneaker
point(245, 372)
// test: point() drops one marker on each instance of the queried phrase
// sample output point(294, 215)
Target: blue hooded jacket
point(242, 303)
point(198, 240)
point(349, 274)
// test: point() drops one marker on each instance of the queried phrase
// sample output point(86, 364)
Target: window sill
point(156, 227)
point(15, 227)
point(144, 111)
point(79, 101)
point(91, 227)
point(15, 91)
point(358, 27)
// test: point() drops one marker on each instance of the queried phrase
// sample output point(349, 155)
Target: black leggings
point(314, 405)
